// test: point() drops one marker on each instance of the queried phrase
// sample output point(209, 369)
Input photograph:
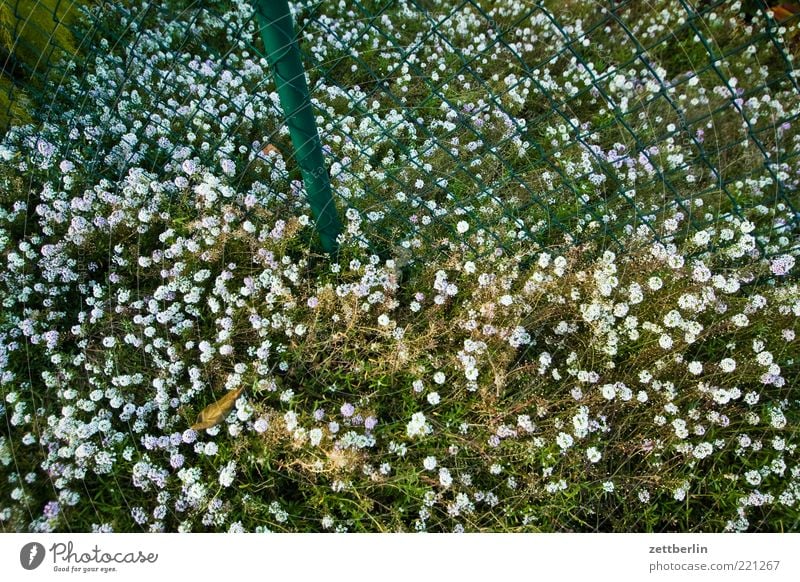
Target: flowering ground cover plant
point(536, 321)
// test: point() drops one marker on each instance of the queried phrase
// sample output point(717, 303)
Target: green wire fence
point(559, 122)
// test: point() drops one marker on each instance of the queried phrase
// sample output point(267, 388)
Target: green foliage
point(34, 38)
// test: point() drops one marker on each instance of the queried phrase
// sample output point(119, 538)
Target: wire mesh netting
point(157, 201)
point(517, 121)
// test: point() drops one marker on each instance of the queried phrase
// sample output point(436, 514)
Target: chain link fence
point(538, 122)
point(435, 132)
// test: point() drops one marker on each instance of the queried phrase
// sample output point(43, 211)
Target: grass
point(497, 297)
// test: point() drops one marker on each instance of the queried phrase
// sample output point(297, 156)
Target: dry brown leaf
point(783, 11)
point(217, 411)
point(269, 149)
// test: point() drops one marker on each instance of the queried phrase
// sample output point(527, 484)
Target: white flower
point(673, 319)
point(519, 337)
point(728, 365)
point(290, 418)
point(702, 450)
point(753, 477)
point(544, 260)
point(679, 425)
point(701, 273)
point(701, 238)
point(227, 474)
point(525, 423)
point(189, 166)
point(445, 478)
point(593, 454)
point(439, 377)
point(564, 440)
point(315, 436)
point(782, 265)
point(695, 368)
point(429, 463)
point(434, 398)
point(764, 358)
point(635, 294)
point(462, 226)
point(740, 320)
point(777, 418)
point(418, 425)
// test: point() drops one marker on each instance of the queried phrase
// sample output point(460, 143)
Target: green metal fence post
point(283, 56)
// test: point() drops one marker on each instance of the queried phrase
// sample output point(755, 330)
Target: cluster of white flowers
point(157, 256)
point(418, 425)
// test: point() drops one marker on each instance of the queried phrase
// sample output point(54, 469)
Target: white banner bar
point(412, 557)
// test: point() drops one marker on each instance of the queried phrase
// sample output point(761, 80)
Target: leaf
point(269, 149)
point(217, 411)
point(782, 12)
